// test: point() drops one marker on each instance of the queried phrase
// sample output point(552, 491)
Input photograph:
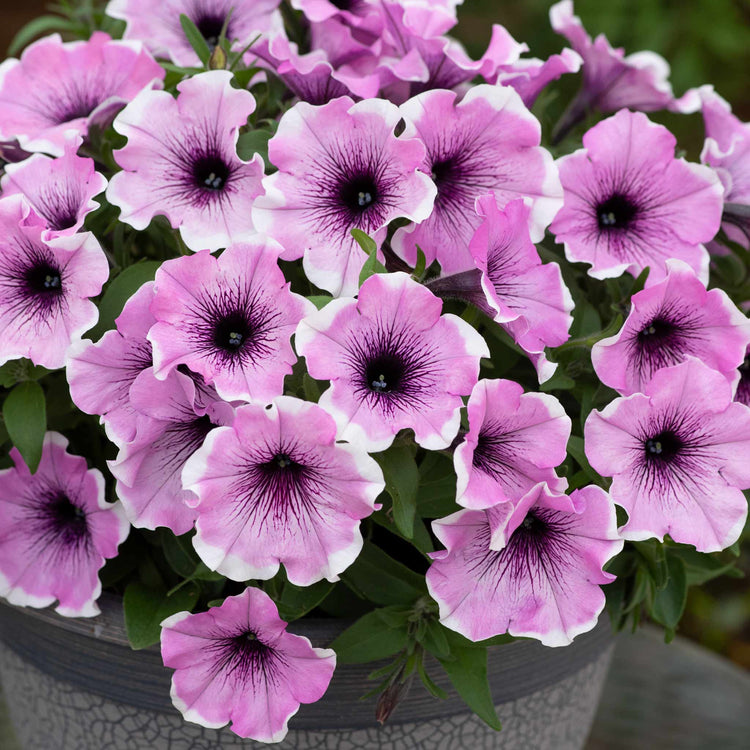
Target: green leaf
point(320, 300)
point(37, 27)
point(180, 554)
point(195, 38)
point(25, 417)
point(254, 142)
point(145, 608)
point(467, 669)
point(296, 601)
point(371, 638)
point(669, 602)
point(421, 538)
point(401, 482)
point(19, 370)
point(421, 265)
point(558, 382)
point(701, 567)
point(372, 264)
point(577, 450)
point(122, 287)
point(381, 579)
point(435, 640)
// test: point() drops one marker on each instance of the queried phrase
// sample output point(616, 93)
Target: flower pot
point(76, 685)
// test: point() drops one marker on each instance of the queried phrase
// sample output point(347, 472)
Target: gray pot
point(76, 685)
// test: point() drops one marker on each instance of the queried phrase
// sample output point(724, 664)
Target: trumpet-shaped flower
point(56, 88)
point(515, 440)
point(487, 143)
point(528, 298)
point(275, 488)
point(181, 161)
point(394, 363)
point(237, 663)
point(158, 25)
point(60, 191)
point(340, 167)
point(677, 455)
point(181, 412)
point(230, 319)
point(100, 375)
point(45, 286)
point(669, 322)
point(56, 531)
point(612, 80)
point(542, 582)
point(630, 204)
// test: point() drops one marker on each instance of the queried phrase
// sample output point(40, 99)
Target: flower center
point(662, 447)
point(359, 194)
point(444, 173)
point(44, 278)
point(210, 27)
point(66, 519)
point(617, 212)
point(384, 374)
point(210, 173)
point(282, 460)
point(232, 332)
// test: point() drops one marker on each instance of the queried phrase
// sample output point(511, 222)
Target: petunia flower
point(340, 167)
point(45, 286)
point(181, 161)
point(101, 374)
point(230, 319)
point(181, 412)
point(669, 322)
point(515, 440)
point(542, 582)
point(727, 150)
point(276, 488)
point(238, 663)
point(56, 531)
point(743, 385)
point(56, 88)
point(677, 455)
point(61, 191)
point(630, 204)
point(612, 80)
point(487, 143)
point(157, 24)
point(394, 363)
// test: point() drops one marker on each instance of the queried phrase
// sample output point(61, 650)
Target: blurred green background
point(705, 41)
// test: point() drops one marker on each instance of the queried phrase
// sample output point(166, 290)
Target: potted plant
point(320, 362)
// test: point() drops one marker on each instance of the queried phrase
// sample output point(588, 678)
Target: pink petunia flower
point(515, 440)
point(677, 455)
point(45, 286)
point(528, 298)
point(181, 412)
point(157, 24)
point(743, 385)
point(61, 191)
point(630, 204)
point(488, 142)
point(230, 319)
point(394, 363)
point(237, 663)
point(276, 488)
point(669, 322)
point(56, 88)
point(542, 582)
point(612, 80)
point(340, 167)
point(727, 150)
point(56, 531)
point(181, 161)
point(100, 375)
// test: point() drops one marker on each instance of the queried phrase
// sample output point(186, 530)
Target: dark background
point(705, 41)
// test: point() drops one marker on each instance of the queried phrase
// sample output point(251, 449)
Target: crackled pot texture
point(76, 685)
